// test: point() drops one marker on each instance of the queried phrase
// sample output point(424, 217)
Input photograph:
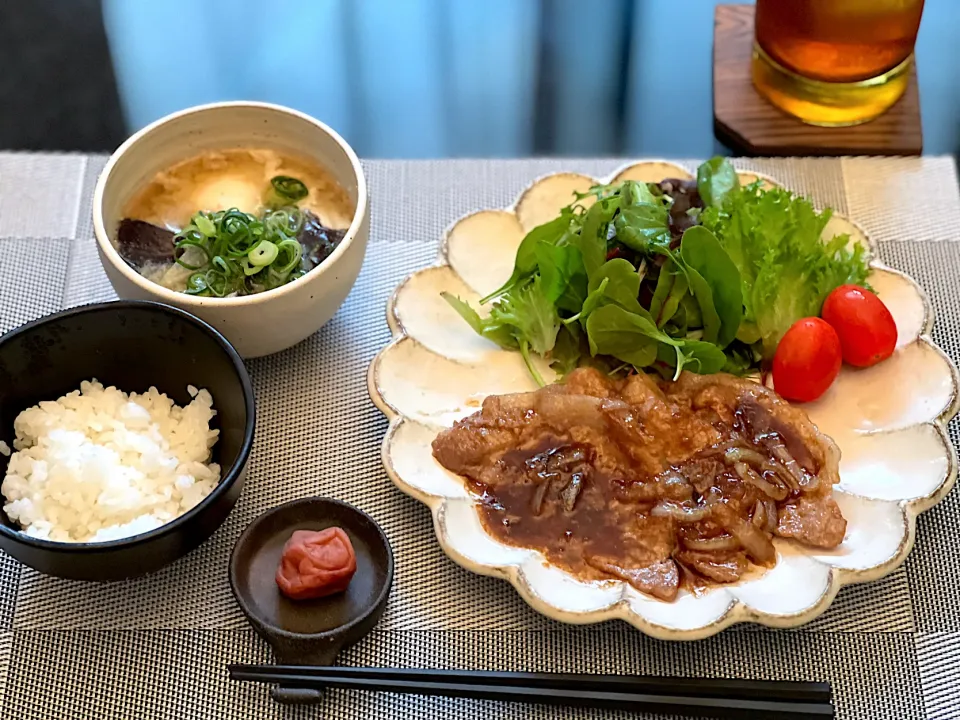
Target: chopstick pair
point(730, 699)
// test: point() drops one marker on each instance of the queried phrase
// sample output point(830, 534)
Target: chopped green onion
point(289, 188)
point(295, 251)
point(220, 264)
point(240, 253)
point(196, 284)
point(287, 220)
point(217, 283)
point(183, 245)
point(204, 225)
point(263, 254)
point(249, 268)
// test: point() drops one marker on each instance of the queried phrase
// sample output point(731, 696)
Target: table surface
point(157, 647)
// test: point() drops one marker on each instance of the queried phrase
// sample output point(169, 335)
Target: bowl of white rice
point(125, 430)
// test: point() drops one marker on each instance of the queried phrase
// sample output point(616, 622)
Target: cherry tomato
point(865, 327)
point(807, 360)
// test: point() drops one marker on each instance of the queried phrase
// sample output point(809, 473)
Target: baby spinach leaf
point(592, 240)
point(566, 353)
point(702, 357)
point(525, 263)
point(611, 330)
point(694, 355)
point(623, 286)
point(701, 251)
point(665, 281)
point(678, 291)
point(716, 178)
point(701, 290)
point(691, 311)
point(644, 218)
point(618, 282)
point(630, 337)
point(640, 354)
point(594, 298)
point(643, 227)
point(562, 275)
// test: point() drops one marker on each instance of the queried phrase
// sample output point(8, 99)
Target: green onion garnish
point(263, 254)
point(233, 252)
point(290, 252)
point(204, 225)
point(289, 188)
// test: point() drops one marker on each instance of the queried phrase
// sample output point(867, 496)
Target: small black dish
point(131, 345)
point(310, 632)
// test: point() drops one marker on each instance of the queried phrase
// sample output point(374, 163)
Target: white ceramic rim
point(737, 612)
point(191, 301)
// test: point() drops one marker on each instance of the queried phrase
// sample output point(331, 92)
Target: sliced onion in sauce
point(571, 492)
point(745, 455)
point(811, 483)
point(771, 509)
point(724, 542)
point(765, 465)
point(751, 476)
point(755, 542)
point(681, 513)
point(781, 453)
point(759, 518)
point(712, 495)
point(539, 495)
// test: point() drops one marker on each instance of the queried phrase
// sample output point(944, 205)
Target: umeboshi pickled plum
point(316, 564)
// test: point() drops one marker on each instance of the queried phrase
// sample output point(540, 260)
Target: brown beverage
point(834, 62)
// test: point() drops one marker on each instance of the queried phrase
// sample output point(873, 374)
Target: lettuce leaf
point(704, 256)
point(643, 223)
point(786, 270)
point(525, 263)
point(524, 318)
point(716, 179)
point(635, 339)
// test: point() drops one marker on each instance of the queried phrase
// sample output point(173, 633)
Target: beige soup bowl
point(258, 324)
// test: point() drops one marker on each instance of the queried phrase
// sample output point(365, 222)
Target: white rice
point(98, 464)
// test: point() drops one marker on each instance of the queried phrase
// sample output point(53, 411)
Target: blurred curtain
point(410, 78)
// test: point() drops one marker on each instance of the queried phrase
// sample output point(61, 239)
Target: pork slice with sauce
point(651, 482)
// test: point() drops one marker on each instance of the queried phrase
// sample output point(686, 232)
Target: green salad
point(704, 276)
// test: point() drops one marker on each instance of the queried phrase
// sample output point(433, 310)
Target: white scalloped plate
point(889, 421)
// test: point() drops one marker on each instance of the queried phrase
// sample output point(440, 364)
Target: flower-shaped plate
point(889, 421)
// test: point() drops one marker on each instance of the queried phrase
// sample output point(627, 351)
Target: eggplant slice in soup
point(141, 243)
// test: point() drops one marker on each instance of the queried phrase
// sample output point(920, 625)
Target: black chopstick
point(777, 700)
point(694, 687)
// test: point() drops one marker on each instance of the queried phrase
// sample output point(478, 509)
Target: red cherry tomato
point(865, 327)
point(807, 360)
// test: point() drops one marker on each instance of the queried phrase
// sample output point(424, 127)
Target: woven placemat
point(157, 647)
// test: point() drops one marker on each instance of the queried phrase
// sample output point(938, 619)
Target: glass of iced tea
point(834, 62)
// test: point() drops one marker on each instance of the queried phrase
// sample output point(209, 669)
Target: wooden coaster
point(748, 124)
